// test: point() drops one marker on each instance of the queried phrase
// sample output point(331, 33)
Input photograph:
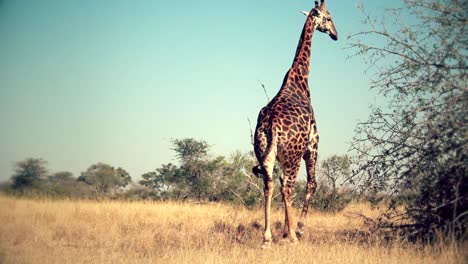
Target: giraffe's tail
point(268, 156)
point(257, 171)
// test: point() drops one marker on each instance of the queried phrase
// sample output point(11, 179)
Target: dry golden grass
point(47, 231)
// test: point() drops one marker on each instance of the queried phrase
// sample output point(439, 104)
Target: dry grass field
point(48, 231)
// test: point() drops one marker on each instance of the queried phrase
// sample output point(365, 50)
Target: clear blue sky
point(85, 81)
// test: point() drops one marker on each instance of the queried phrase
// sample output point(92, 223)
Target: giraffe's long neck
point(301, 63)
point(295, 83)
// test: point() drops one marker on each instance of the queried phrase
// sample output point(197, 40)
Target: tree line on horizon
point(197, 176)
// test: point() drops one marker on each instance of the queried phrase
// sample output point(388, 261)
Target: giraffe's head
point(323, 19)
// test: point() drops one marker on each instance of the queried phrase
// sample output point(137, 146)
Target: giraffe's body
point(286, 130)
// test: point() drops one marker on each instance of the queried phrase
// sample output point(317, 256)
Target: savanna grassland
point(63, 231)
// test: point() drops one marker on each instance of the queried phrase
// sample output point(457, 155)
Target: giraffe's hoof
point(299, 233)
point(266, 245)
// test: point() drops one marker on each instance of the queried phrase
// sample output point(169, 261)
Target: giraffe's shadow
point(252, 233)
point(247, 233)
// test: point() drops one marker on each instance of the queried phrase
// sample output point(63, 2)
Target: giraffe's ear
point(305, 13)
point(323, 6)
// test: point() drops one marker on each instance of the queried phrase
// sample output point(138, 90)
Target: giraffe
point(286, 130)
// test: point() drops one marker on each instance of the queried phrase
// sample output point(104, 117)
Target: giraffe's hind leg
point(310, 158)
point(267, 173)
point(265, 150)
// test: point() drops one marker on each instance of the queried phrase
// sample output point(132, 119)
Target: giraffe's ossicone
point(286, 130)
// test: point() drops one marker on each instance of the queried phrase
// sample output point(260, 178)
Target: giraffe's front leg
point(286, 223)
point(310, 158)
point(287, 198)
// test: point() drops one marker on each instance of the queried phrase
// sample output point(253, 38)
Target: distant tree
point(64, 184)
point(124, 177)
point(190, 179)
point(193, 157)
point(416, 141)
point(334, 176)
point(241, 185)
point(217, 178)
point(29, 173)
point(336, 169)
point(104, 178)
point(152, 180)
point(61, 177)
point(166, 181)
point(201, 177)
point(190, 150)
